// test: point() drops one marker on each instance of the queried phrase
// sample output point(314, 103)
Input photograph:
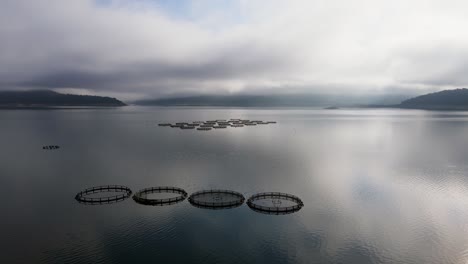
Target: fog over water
point(378, 186)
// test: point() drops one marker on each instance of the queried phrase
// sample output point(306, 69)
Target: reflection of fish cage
point(82, 196)
point(141, 196)
point(216, 199)
point(277, 199)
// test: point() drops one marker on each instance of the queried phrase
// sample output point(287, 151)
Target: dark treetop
point(51, 98)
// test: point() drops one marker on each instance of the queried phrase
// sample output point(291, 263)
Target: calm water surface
point(379, 186)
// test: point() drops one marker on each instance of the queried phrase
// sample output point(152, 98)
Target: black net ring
point(125, 193)
point(195, 199)
point(140, 198)
point(275, 209)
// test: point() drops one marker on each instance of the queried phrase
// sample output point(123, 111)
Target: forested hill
point(443, 100)
point(51, 98)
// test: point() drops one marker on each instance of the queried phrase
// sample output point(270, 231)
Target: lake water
point(378, 186)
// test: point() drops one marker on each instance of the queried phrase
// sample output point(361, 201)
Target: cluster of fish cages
point(83, 196)
point(141, 196)
point(208, 199)
point(51, 147)
point(216, 124)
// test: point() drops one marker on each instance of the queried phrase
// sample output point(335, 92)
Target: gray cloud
point(301, 46)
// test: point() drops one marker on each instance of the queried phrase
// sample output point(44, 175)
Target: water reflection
point(379, 186)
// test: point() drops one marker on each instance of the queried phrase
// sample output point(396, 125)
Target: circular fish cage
point(83, 196)
point(141, 196)
point(216, 199)
point(277, 206)
point(204, 128)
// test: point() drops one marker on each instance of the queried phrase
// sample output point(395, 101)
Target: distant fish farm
point(216, 124)
point(51, 147)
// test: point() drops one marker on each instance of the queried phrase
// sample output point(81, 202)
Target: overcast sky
point(136, 48)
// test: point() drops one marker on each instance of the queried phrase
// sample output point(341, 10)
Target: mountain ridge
point(447, 99)
point(46, 98)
